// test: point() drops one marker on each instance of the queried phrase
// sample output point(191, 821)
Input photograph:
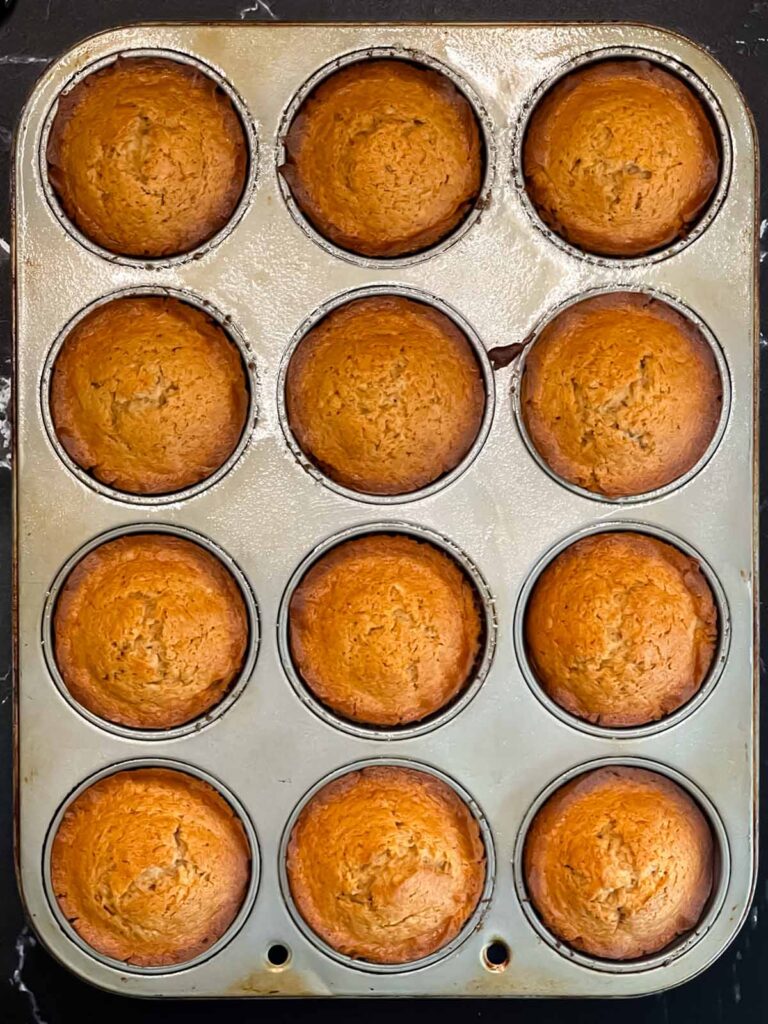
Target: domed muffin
point(386, 864)
point(619, 862)
point(384, 157)
point(147, 157)
point(385, 629)
point(150, 631)
point(620, 158)
point(385, 395)
point(149, 395)
point(150, 866)
point(621, 629)
point(621, 394)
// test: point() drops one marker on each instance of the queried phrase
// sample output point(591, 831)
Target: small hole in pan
point(497, 956)
point(278, 955)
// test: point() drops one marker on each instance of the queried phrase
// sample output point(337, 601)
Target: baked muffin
point(384, 157)
point(621, 629)
point(150, 631)
point(386, 864)
point(149, 395)
point(621, 394)
point(385, 395)
point(147, 157)
point(620, 158)
point(385, 629)
point(619, 862)
point(150, 866)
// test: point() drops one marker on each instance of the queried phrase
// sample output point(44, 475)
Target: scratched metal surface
point(268, 513)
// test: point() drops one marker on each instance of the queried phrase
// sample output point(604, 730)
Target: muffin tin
point(267, 277)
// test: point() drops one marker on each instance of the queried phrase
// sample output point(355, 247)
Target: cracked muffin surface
point(621, 394)
point(150, 866)
point(621, 628)
point(384, 157)
point(385, 629)
point(619, 862)
point(385, 395)
point(386, 864)
point(148, 395)
point(620, 158)
point(150, 631)
point(147, 157)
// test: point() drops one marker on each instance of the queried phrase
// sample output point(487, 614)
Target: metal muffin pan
point(502, 276)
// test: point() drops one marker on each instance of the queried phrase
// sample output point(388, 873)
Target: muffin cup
point(249, 371)
point(717, 353)
point(478, 349)
point(711, 107)
point(722, 871)
point(240, 917)
point(251, 651)
point(250, 181)
point(472, 923)
point(668, 721)
point(482, 664)
point(419, 59)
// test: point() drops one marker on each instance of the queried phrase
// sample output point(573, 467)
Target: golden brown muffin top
point(149, 395)
point(148, 157)
point(621, 628)
point(385, 629)
point(150, 631)
point(150, 866)
point(384, 157)
point(385, 395)
point(619, 862)
point(621, 394)
point(620, 158)
point(386, 864)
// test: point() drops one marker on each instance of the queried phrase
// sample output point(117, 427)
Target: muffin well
point(148, 395)
point(386, 864)
point(621, 394)
point(150, 631)
point(384, 157)
point(385, 630)
point(619, 862)
point(148, 157)
point(150, 866)
point(620, 158)
point(385, 395)
point(621, 629)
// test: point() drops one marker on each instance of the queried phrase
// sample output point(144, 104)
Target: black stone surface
point(32, 986)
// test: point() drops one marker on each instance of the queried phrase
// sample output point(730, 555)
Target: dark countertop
point(32, 986)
